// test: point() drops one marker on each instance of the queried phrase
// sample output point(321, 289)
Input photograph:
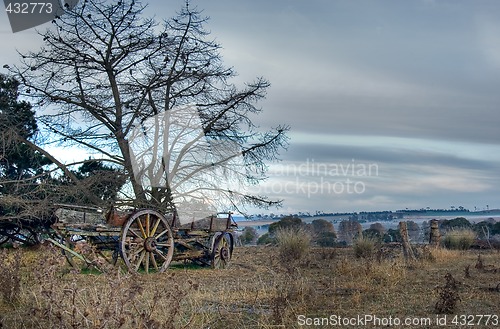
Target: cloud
point(324, 172)
point(488, 32)
point(413, 70)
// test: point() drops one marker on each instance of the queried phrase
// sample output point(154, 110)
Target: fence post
point(407, 251)
point(435, 235)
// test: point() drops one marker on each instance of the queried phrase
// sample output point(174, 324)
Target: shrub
point(460, 239)
point(457, 223)
point(365, 247)
point(249, 235)
point(392, 235)
point(265, 239)
point(373, 233)
point(321, 226)
point(293, 243)
point(326, 239)
point(285, 223)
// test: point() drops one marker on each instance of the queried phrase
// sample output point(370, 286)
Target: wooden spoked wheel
point(222, 251)
point(147, 242)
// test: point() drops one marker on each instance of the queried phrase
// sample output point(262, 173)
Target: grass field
point(260, 289)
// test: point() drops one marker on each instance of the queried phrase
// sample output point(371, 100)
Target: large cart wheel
point(147, 242)
point(222, 251)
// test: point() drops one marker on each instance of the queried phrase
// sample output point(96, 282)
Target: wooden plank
point(189, 255)
point(74, 253)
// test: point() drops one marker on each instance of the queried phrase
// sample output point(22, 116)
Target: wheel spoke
point(153, 260)
point(162, 233)
point(160, 253)
point(155, 227)
point(146, 263)
point(135, 233)
point(147, 225)
point(131, 244)
point(216, 261)
point(139, 223)
point(136, 252)
point(138, 264)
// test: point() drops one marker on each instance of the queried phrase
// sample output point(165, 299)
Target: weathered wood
point(407, 250)
point(435, 235)
point(117, 218)
point(146, 241)
point(72, 252)
point(71, 216)
point(192, 254)
point(212, 224)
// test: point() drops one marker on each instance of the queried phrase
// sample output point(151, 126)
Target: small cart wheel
point(222, 251)
point(147, 242)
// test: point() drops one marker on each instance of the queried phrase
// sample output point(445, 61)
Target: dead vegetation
point(38, 290)
point(448, 295)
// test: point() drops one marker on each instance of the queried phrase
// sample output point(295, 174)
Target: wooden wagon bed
point(145, 239)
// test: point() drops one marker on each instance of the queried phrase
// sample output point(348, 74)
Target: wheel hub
point(150, 244)
point(224, 254)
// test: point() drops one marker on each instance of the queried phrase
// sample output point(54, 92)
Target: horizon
point(430, 212)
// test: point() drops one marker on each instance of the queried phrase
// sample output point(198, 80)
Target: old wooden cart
point(146, 240)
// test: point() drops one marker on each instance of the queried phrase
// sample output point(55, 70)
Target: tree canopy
point(104, 69)
point(21, 167)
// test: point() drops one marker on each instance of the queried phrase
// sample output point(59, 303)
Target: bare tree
point(349, 230)
point(104, 70)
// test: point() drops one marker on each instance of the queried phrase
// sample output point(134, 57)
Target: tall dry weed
point(50, 297)
point(293, 244)
point(10, 276)
point(448, 296)
point(440, 255)
point(461, 239)
point(365, 247)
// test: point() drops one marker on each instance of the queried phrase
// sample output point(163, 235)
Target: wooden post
point(407, 251)
point(435, 235)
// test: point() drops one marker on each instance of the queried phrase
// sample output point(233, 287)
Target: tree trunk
point(407, 250)
point(139, 192)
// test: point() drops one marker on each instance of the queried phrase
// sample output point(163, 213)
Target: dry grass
point(365, 247)
point(460, 239)
point(293, 244)
point(257, 291)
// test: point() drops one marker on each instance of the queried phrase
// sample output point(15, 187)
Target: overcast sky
point(392, 104)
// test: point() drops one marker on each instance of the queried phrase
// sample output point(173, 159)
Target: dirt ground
point(261, 289)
